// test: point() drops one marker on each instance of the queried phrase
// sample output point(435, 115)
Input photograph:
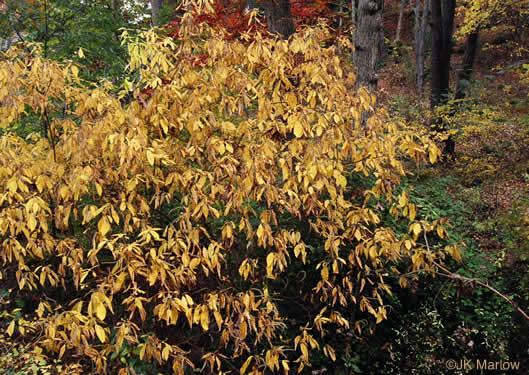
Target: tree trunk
point(156, 7)
point(399, 22)
point(279, 17)
point(340, 11)
point(354, 21)
point(468, 65)
point(421, 24)
point(367, 43)
point(442, 28)
point(449, 7)
point(381, 40)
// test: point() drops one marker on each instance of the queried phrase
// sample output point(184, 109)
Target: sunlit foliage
point(157, 226)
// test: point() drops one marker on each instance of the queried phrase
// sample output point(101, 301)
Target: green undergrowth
point(437, 319)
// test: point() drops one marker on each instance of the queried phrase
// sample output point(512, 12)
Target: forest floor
point(490, 171)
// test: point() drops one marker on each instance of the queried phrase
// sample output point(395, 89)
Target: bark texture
point(442, 28)
point(421, 24)
point(399, 22)
point(156, 7)
point(367, 42)
point(278, 17)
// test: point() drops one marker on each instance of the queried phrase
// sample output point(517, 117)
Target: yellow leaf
point(243, 330)
point(292, 100)
point(150, 157)
point(270, 260)
point(165, 125)
point(32, 223)
point(194, 263)
point(103, 226)
point(75, 71)
point(440, 231)
point(218, 319)
point(412, 212)
point(165, 352)
point(41, 183)
point(313, 171)
point(12, 185)
point(99, 189)
point(100, 332)
point(331, 352)
point(227, 231)
point(80, 53)
point(325, 273)
point(63, 192)
point(416, 228)
point(260, 232)
point(245, 365)
point(403, 199)
point(101, 311)
point(204, 319)
point(341, 180)
point(304, 350)
point(298, 129)
point(434, 153)
point(11, 328)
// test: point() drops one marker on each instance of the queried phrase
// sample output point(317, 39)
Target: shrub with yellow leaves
point(165, 226)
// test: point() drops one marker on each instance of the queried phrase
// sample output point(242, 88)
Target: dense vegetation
point(210, 197)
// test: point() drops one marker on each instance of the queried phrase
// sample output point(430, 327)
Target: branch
point(455, 276)
point(512, 66)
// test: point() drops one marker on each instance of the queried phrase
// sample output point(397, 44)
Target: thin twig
point(455, 276)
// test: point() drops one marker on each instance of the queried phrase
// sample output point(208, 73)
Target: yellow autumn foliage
point(489, 14)
point(167, 218)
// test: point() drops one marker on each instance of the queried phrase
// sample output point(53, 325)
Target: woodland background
point(274, 186)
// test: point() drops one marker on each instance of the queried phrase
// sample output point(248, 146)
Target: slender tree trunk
point(367, 43)
point(421, 24)
point(279, 17)
point(437, 50)
point(399, 22)
point(156, 7)
point(340, 11)
point(353, 20)
point(381, 40)
point(468, 64)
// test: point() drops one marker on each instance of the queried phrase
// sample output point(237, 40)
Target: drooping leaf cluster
point(164, 226)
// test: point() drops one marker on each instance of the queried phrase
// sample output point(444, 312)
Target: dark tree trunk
point(278, 17)
point(367, 42)
point(442, 28)
point(449, 8)
point(468, 64)
point(437, 51)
